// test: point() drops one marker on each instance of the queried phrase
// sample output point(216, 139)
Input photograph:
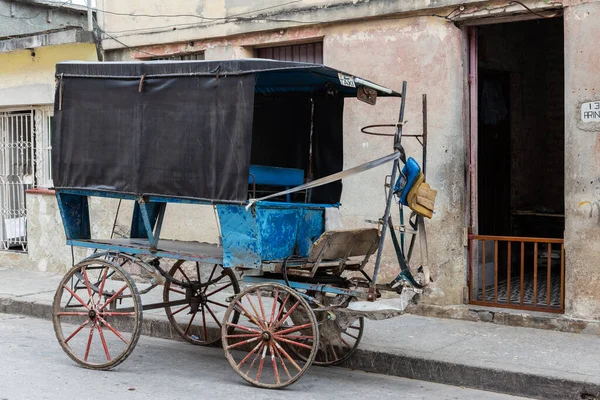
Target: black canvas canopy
point(192, 128)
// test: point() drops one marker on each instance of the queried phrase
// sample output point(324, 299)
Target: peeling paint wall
point(222, 18)
point(21, 18)
point(582, 162)
point(27, 76)
point(421, 51)
point(46, 239)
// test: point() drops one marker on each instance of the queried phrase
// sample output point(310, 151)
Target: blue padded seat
point(410, 175)
point(276, 176)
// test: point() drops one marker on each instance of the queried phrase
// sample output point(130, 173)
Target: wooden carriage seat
point(274, 176)
point(341, 244)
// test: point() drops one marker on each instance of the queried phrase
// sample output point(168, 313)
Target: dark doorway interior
point(520, 158)
point(521, 128)
point(494, 153)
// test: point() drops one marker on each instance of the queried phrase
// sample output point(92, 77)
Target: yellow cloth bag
point(421, 197)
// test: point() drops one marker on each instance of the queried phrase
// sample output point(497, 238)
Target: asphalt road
point(33, 366)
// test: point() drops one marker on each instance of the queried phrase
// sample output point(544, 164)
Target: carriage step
point(380, 309)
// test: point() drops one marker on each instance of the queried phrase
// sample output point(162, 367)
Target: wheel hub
point(266, 336)
point(197, 299)
point(92, 314)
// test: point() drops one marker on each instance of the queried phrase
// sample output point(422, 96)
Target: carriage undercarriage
point(289, 320)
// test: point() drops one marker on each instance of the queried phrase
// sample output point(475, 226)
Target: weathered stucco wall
point(46, 239)
point(19, 18)
point(222, 18)
point(181, 222)
point(421, 51)
point(47, 250)
point(27, 76)
point(582, 162)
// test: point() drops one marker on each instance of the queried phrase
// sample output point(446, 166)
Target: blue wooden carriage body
point(268, 232)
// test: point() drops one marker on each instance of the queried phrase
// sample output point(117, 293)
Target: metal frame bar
point(144, 251)
point(63, 216)
point(390, 196)
point(148, 225)
point(317, 287)
point(516, 239)
point(161, 215)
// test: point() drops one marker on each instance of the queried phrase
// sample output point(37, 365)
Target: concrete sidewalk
point(521, 361)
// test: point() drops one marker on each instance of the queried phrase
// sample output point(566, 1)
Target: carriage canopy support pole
point(372, 295)
point(153, 233)
point(425, 135)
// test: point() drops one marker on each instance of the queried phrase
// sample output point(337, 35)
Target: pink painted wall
point(427, 53)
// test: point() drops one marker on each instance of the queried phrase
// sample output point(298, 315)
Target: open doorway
point(517, 254)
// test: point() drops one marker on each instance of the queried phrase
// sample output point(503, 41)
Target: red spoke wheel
point(258, 346)
point(97, 314)
point(198, 319)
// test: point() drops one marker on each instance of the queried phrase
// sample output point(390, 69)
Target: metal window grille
point(43, 147)
point(182, 57)
point(24, 164)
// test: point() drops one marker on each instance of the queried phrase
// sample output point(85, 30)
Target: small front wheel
point(97, 314)
point(256, 344)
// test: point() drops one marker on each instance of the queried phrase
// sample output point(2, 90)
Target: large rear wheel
point(257, 346)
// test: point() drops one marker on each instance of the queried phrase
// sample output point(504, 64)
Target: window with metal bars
point(25, 163)
point(182, 57)
point(303, 52)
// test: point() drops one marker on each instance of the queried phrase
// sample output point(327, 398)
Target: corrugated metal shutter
point(305, 52)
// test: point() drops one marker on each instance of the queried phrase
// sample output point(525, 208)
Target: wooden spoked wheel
point(198, 320)
point(338, 338)
point(97, 314)
point(257, 348)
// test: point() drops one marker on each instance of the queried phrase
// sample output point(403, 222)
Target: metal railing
point(25, 163)
point(16, 176)
point(517, 272)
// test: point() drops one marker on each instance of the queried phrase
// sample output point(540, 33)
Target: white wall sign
point(590, 112)
point(346, 80)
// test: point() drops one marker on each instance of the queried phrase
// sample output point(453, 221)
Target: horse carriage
point(260, 142)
